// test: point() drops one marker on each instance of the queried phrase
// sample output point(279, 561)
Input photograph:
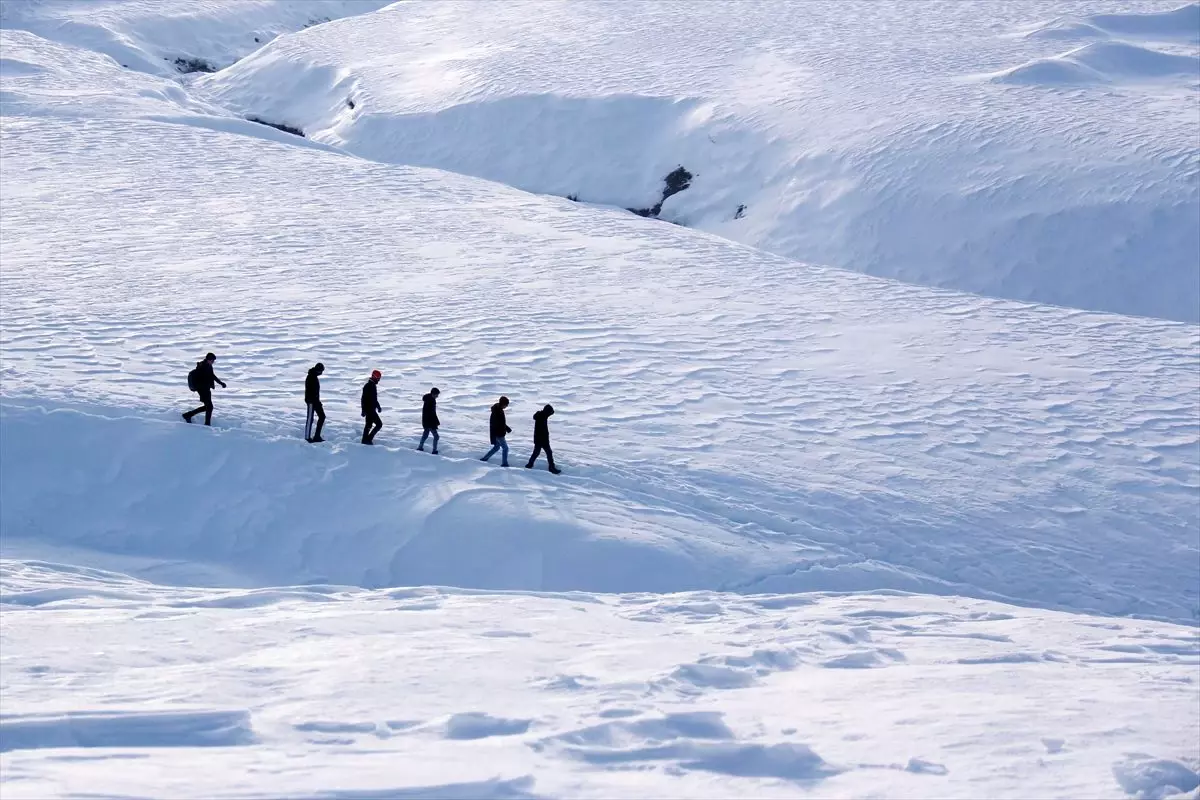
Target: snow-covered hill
point(817, 532)
point(1034, 151)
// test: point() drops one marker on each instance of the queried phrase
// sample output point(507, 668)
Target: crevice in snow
point(279, 126)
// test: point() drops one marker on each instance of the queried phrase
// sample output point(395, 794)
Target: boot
point(186, 418)
point(555, 469)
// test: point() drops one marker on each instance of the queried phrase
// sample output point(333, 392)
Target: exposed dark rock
point(741, 211)
point(278, 126)
point(574, 198)
point(188, 65)
point(676, 181)
point(350, 102)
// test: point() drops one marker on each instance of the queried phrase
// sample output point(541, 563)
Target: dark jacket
point(312, 387)
point(205, 378)
point(370, 398)
point(498, 426)
point(541, 426)
point(429, 417)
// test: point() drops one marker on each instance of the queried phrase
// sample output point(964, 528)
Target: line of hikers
point(203, 380)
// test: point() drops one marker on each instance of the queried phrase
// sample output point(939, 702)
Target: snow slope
point(741, 433)
point(161, 37)
point(855, 135)
point(121, 688)
point(885, 435)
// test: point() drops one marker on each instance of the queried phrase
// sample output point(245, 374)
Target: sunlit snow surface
point(1028, 150)
point(742, 435)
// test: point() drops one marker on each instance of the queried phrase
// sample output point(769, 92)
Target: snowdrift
point(276, 513)
point(806, 136)
point(1175, 24)
point(1104, 63)
point(509, 695)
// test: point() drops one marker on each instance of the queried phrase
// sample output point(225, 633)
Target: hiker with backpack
point(498, 429)
point(371, 408)
point(429, 419)
point(541, 438)
point(202, 380)
point(312, 397)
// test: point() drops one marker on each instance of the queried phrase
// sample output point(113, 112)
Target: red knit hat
point(376, 374)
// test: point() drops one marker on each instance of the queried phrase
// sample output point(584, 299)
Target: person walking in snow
point(541, 438)
point(312, 396)
point(371, 408)
point(498, 428)
point(429, 419)
point(202, 380)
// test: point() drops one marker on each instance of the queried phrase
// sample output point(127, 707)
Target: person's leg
point(308, 421)
point(549, 457)
point(366, 430)
point(424, 436)
point(320, 421)
point(206, 406)
point(435, 441)
point(189, 414)
point(493, 451)
point(503, 452)
point(537, 451)
point(377, 426)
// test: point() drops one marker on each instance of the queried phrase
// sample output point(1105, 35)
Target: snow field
point(923, 439)
point(742, 434)
point(862, 137)
point(512, 695)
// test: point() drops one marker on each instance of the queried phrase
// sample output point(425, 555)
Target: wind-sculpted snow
point(1104, 63)
point(858, 136)
point(321, 691)
point(730, 419)
point(231, 612)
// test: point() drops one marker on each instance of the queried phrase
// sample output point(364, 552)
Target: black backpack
point(192, 379)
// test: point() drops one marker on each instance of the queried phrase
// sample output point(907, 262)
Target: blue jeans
point(425, 436)
point(498, 444)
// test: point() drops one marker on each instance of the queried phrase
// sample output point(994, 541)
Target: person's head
point(434, 391)
point(548, 409)
point(319, 368)
point(210, 358)
point(376, 375)
point(503, 401)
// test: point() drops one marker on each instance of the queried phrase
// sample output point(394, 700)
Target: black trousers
point(318, 410)
point(373, 426)
point(537, 451)
point(207, 408)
